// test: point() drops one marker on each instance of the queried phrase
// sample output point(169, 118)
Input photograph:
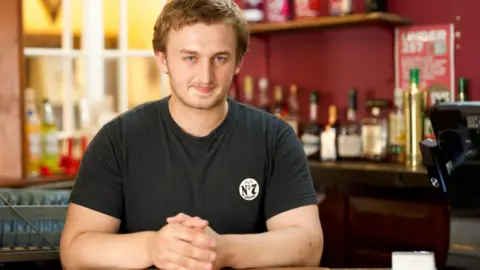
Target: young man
point(195, 180)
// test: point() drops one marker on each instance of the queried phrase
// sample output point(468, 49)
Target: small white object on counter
point(421, 260)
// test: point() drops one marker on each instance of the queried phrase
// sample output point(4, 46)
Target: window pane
point(111, 23)
point(43, 23)
point(48, 82)
point(144, 81)
point(142, 15)
point(46, 76)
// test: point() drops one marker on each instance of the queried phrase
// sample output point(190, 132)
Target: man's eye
point(220, 59)
point(190, 58)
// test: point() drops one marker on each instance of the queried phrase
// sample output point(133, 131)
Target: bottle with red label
point(279, 10)
point(340, 7)
point(307, 9)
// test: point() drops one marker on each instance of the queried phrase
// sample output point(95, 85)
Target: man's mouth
point(204, 89)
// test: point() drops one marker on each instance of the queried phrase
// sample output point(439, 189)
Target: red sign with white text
point(429, 48)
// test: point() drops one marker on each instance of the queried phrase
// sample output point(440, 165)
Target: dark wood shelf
point(330, 21)
point(25, 255)
point(35, 181)
point(368, 174)
point(369, 166)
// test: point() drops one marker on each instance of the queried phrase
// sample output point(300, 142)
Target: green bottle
point(462, 89)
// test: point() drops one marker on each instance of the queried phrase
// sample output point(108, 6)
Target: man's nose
point(206, 72)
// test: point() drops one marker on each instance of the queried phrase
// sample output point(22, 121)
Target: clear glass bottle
point(50, 147)
point(293, 109)
point(279, 108)
point(374, 132)
point(311, 133)
point(263, 102)
point(350, 136)
point(248, 90)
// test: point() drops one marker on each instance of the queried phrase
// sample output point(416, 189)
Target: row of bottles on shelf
point(46, 153)
point(288, 111)
point(257, 11)
point(383, 135)
point(17, 233)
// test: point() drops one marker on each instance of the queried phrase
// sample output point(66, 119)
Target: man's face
point(200, 60)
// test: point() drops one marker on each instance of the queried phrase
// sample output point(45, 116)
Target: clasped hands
point(186, 243)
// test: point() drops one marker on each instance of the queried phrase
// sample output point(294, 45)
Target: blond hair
point(179, 13)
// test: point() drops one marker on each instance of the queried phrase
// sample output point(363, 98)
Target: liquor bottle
point(311, 133)
point(328, 137)
point(463, 89)
point(396, 129)
point(253, 10)
point(50, 149)
point(350, 137)
point(248, 90)
point(374, 132)
point(279, 108)
point(232, 93)
point(34, 134)
point(413, 101)
point(340, 7)
point(263, 103)
point(293, 109)
point(375, 6)
point(279, 10)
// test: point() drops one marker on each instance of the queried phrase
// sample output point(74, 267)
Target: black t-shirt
point(142, 168)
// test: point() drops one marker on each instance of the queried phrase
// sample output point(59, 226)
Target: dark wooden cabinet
point(365, 221)
point(376, 227)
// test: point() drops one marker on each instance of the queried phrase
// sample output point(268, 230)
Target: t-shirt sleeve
point(98, 184)
point(290, 185)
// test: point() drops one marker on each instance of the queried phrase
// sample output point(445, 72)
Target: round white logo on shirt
point(249, 189)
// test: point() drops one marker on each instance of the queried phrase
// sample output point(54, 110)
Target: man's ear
point(238, 66)
point(161, 59)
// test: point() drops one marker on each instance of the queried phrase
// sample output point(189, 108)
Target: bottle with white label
point(328, 137)
point(50, 149)
point(34, 135)
point(375, 132)
point(396, 130)
point(311, 134)
point(253, 11)
point(340, 7)
point(350, 137)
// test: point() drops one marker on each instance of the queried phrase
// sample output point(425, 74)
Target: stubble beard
point(217, 100)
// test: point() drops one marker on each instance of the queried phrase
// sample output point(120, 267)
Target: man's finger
point(196, 236)
point(187, 249)
point(192, 222)
point(181, 217)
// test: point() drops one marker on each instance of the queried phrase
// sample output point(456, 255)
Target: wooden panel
point(366, 173)
point(377, 227)
point(332, 209)
point(11, 96)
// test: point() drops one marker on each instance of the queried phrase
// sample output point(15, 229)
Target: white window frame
point(94, 54)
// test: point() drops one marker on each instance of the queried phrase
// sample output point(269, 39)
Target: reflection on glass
point(142, 15)
point(111, 23)
point(46, 78)
point(43, 23)
point(144, 82)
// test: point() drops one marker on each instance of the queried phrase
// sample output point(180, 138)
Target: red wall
point(335, 59)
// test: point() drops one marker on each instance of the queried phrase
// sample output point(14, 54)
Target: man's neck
point(198, 123)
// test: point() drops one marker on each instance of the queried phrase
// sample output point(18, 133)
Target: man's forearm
point(107, 251)
point(280, 248)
